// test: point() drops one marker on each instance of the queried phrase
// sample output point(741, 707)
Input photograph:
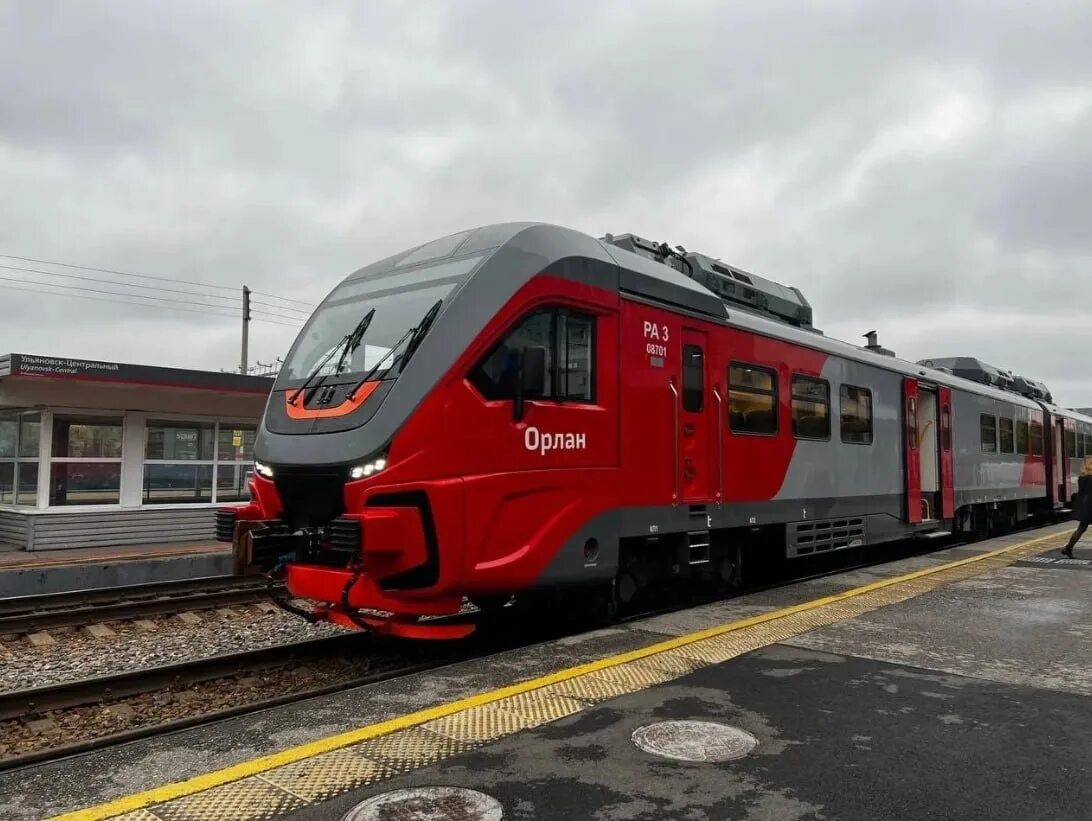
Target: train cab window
point(693, 379)
point(752, 399)
point(1021, 436)
point(810, 407)
point(1008, 438)
point(856, 414)
point(988, 426)
point(574, 357)
point(1036, 438)
point(569, 340)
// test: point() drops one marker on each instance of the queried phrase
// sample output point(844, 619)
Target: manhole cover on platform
point(694, 740)
point(428, 804)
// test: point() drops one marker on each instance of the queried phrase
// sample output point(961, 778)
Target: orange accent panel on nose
point(298, 411)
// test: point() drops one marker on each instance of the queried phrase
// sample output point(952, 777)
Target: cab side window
point(569, 340)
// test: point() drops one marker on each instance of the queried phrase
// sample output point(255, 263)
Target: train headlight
point(368, 468)
point(263, 469)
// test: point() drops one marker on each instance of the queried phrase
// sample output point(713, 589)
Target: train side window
point(574, 360)
point(856, 413)
point(752, 399)
point(989, 433)
point(1036, 438)
point(569, 340)
point(1008, 439)
point(1071, 443)
point(693, 379)
point(1021, 436)
point(810, 407)
point(946, 427)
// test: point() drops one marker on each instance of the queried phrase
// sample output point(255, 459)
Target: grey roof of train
point(656, 281)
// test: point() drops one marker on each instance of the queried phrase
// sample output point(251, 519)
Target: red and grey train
point(523, 408)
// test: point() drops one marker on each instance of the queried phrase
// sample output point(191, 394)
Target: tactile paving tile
point(137, 815)
point(478, 724)
point(539, 707)
point(405, 750)
point(672, 661)
point(328, 774)
point(250, 799)
point(634, 676)
point(589, 688)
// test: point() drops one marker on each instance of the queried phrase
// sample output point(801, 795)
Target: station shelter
point(107, 453)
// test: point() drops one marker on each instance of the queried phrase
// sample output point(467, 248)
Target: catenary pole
point(246, 331)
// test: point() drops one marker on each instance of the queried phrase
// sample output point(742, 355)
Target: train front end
point(350, 498)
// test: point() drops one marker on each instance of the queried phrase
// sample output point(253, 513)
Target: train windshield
point(400, 300)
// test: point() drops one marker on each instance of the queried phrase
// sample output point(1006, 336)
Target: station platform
point(949, 685)
point(25, 573)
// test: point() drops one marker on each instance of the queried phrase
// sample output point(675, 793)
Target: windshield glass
point(400, 299)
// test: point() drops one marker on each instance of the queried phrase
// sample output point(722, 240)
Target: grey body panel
point(826, 469)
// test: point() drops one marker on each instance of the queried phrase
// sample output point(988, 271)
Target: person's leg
point(1068, 549)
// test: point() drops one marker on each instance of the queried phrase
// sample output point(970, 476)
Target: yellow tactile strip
point(275, 785)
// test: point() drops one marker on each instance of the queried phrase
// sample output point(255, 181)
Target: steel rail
point(27, 614)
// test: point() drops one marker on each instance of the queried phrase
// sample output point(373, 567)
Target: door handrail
point(675, 406)
point(720, 422)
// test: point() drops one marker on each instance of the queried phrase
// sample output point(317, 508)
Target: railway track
point(29, 614)
point(55, 721)
point(98, 712)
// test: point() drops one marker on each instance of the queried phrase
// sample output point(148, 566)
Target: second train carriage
point(523, 407)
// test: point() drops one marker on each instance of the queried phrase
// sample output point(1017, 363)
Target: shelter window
point(85, 468)
point(1021, 436)
point(693, 379)
point(988, 428)
point(178, 461)
point(569, 340)
point(234, 459)
point(1008, 438)
point(810, 407)
point(856, 414)
point(1036, 438)
point(19, 441)
point(752, 399)
point(192, 462)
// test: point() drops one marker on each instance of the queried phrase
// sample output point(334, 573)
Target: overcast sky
point(918, 168)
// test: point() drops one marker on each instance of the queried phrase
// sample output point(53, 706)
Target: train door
point(947, 463)
point(911, 452)
point(1068, 454)
point(695, 477)
point(1060, 465)
point(928, 453)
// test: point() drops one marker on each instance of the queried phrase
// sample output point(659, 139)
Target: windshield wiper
point(414, 335)
point(420, 331)
point(353, 341)
point(349, 343)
